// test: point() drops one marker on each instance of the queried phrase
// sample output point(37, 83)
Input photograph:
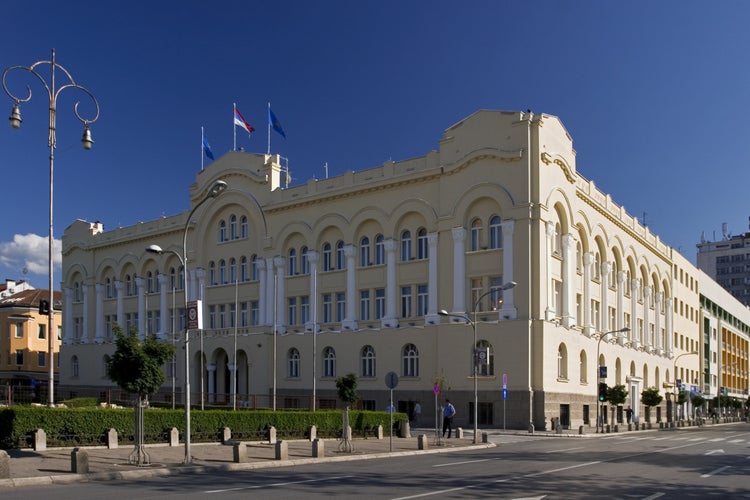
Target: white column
point(459, 270)
point(350, 320)
point(568, 271)
point(508, 309)
point(85, 323)
point(163, 307)
point(67, 316)
point(432, 316)
point(313, 258)
point(647, 341)
point(657, 322)
point(604, 312)
point(260, 263)
point(389, 320)
point(668, 326)
point(141, 307)
point(621, 338)
point(120, 306)
point(211, 369)
point(635, 334)
point(588, 326)
point(270, 289)
point(279, 263)
point(550, 313)
point(99, 290)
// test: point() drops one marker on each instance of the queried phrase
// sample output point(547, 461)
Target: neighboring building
point(728, 262)
point(369, 258)
point(24, 343)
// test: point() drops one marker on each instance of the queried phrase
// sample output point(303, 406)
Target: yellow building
point(368, 259)
point(24, 343)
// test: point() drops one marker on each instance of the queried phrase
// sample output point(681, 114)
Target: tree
point(616, 395)
point(698, 401)
point(651, 397)
point(346, 388)
point(137, 367)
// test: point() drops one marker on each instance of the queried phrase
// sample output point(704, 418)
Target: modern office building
point(727, 261)
point(369, 259)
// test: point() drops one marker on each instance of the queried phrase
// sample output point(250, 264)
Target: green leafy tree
point(137, 368)
point(651, 397)
point(698, 401)
point(616, 395)
point(346, 388)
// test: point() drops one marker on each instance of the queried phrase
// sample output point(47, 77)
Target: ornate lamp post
point(15, 121)
point(217, 188)
point(473, 324)
point(598, 344)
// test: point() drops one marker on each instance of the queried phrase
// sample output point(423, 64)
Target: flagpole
point(202, 148)
point(234, 127)
point(269, 128)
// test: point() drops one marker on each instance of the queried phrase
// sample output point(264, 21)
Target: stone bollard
point(4, 465)
point(403, 429)
point(485, 438)
point(272, 435)
point(379, 431)
point(282, 450)
point(459, 432)
point(174, 437)
point(630, 427)
point(313, 433)
point(226, 435)
point(318, 448)
point(239, 453)
point(616, 428)
point(531, 427)
point(422, 442)
point(79, 461)
point(112, 439)
point(581, 430)
point(40, 440)
point(558, 427)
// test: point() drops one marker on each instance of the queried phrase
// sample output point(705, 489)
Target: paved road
point(711, 462)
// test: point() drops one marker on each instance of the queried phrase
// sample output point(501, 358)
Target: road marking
point(465, 462)
point(714, 472)
point(697, 439)
point(564, 450)
point(661, 439)
point(654, 496)
point(716, 439)
point(715, 452)
point(275, 485)
point(736, 441)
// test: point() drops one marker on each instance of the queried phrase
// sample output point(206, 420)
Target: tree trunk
point(139, 456)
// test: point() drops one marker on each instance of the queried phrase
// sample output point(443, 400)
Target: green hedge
point(88, 426)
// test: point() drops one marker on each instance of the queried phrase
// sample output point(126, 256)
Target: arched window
point(128, 286)
point(172, 280)
point(232, 270)
point(557, 239)
point(222, 272)
point(222, 231)
point(292, 262)
point(368, 361)
point(304, 261)
point(562, 362)
point(582, 364)
point(74, 366)
point(329, 362)
point(496, 232)
point(254, 268)
point(327, 256)
point(485, 359)
point(340, 257)
point(149, 282)
point(364, 252)
point(410, 360)
point(243, 227)
point(379, 250)
point(293, 363)
point(422, 247)
point(233, 227)
point(108, 288)
point(405, 246)
point(211, 273)
point(181, 283)
point(475, 241)
point(243, 268)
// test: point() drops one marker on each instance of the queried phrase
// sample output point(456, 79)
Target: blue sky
point(652, 93)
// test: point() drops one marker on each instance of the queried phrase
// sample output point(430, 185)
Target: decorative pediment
point(560, 162)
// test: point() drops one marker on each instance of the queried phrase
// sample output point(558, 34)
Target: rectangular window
point(340, 306)
point(422, 300)
point(243, 314)
point(42, 332)
point(212, 317)
point(19, 330)
point(41, 359)
point(291, 311)
point(304, 309)
point(379, 303)
point(232, 315)
point(327, 307)
point(19, 357)
point(222, 316)
point(406, 301)
point(254, 313)
point(476, 292)
point(364, 305)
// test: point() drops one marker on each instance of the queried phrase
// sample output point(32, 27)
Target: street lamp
point(217, 188)
point(473, 323)
point(15, 122)
point(598, 344)
point(676, 391)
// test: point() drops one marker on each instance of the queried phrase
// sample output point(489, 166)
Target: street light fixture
point(473, 323)
point(217, 188)
point(598, 344)
point(676, 391)
point(15, 122)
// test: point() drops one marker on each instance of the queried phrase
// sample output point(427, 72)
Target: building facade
point(300, 285)
point(24, 343)
point(727, 261)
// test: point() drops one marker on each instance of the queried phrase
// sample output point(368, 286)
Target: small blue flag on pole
point(207, 149)
point(275, 123)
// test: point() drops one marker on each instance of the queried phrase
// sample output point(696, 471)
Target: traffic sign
point(436, 389)
point(602, 372)
point(391, 380)
point(505, 393)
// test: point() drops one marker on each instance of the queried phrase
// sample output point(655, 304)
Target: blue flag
point(207, 149)
point(275, 123)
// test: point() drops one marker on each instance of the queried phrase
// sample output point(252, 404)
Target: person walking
point(417, 412)
point(448, 413)
point(629, 414)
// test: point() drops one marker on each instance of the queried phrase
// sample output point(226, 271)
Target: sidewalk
point(53, 466)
